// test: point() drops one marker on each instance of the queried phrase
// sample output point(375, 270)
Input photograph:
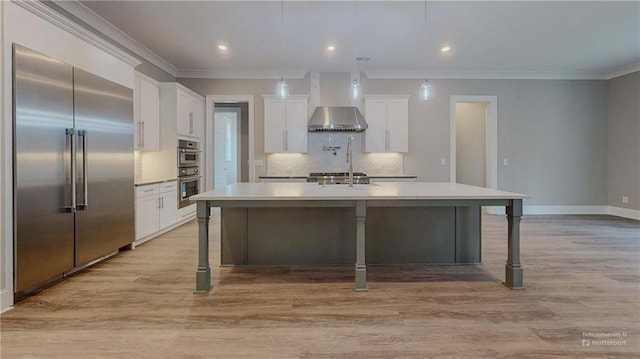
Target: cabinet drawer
point(168, 186)
point(148, 190)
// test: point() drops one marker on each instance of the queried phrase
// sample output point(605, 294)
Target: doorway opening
point(474, 141)
point(229, 141)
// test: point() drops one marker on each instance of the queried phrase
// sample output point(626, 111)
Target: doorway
point(227, 123)
point(228, 156)
point(479, 133)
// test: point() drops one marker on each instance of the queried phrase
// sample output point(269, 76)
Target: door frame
point(209, 163)
point(238, 141)
point(491, 137)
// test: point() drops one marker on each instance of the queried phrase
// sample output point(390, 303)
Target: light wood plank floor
point(582, 275)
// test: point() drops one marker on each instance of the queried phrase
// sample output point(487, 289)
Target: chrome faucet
point(350, 161)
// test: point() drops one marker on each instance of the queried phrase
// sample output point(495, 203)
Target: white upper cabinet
point(285, 124)
point(388, 120)
point(146, 114)
point(186, 107)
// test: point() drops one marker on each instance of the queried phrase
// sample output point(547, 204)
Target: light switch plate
point(505, 162)
point(625, 199)
point(257, 163)
point(443, 162)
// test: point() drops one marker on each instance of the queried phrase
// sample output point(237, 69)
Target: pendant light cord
point(282, 40)
point(355, 23)
point(425, 40)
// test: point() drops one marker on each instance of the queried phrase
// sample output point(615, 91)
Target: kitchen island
point(307, 223)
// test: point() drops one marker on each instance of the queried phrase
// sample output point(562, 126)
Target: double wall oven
point(188, 171)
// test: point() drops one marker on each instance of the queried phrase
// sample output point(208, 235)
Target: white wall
point(624, 141)
point(25, 28)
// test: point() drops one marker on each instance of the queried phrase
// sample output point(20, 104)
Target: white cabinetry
point(186, 107)
point(146, 114)
point(388, 120)
point(147, 209)
point(285, 124)
point(156, 208)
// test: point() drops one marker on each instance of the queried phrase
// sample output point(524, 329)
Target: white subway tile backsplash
point(328, 153)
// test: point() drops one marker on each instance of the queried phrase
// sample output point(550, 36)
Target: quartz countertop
point(373, 176)
point(148, 181)
point(376, 191)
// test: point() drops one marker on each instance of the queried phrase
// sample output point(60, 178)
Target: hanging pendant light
point(426, 91)
point(355, 92)
point(282, 88)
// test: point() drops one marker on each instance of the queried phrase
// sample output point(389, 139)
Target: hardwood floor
point(582, 275)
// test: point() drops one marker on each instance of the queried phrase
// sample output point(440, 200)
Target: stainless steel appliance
point(188, 154)
point(337, 178)
point(188, 171)
point(334, 118)
point(72, 167)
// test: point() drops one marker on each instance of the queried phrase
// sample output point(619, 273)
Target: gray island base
point(388, 223)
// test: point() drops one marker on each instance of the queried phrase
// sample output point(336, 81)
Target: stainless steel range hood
point(333, 118)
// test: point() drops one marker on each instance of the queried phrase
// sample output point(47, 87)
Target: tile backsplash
point(328, 153)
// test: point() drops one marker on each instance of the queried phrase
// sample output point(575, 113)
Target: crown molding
point(624, 70)
point(87, 15)
point(45, 12)
point(487, 75)
point(242, 74)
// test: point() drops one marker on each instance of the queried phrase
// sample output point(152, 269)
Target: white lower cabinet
point(147, 220)
point(156, 208)
point(168, 204)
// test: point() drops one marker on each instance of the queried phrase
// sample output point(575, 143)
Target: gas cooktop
point(337, 178)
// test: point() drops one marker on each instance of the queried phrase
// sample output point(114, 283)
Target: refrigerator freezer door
point(43, 111)
point(105, 189)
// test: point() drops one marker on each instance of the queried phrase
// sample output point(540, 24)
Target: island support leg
point(361, 267)
point(513, 269)
point(203, 273)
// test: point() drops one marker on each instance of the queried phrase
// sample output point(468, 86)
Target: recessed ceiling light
point(331, 48)
point(222, 47)
point(445, 49)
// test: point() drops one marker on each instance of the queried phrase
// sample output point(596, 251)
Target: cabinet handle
point(191, 123)
point(148, 190)
point(142, 134)
point(159, 202)
point(286, 141)
point(387, 140)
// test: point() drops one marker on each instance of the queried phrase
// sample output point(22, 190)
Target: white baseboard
point(6, 300)
point(624, 212)
point(603, 210)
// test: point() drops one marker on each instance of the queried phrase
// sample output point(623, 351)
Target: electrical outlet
point(505, 162)
point(625, 199)
point(443, 162)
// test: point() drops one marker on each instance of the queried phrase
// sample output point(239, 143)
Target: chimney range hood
point(334, 118)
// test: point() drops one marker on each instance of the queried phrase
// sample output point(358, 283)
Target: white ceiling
point(514, 39)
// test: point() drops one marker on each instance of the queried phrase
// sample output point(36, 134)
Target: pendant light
point(355, 92)
point(426, 91)
point(282, 88)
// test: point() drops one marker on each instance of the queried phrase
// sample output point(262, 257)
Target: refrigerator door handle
point(71, 178)
point(85, 166)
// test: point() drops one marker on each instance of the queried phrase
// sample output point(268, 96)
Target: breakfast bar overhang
point(452, 205)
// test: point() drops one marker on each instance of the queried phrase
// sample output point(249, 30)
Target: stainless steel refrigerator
point(72, 166)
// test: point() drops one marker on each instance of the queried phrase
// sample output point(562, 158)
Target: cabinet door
point(184, 118)
point(376, 133)
point(398, 126)
point(168, 208)
point(148, 108)
point(146, 216)
point(197, 125)
point(296, 126)
point(274, 126)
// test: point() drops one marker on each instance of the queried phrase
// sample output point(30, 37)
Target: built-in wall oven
point(188, 171)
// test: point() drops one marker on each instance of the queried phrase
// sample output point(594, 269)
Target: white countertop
point(378, 191)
